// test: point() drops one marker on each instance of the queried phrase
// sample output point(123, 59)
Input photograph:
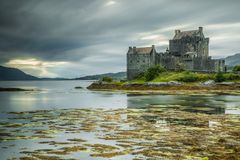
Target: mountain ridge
point(7, 73)
point(14, 74)
point(233, 60)
point(116, 76)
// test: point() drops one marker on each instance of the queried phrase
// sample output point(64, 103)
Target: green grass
point(117, 82)
point(187, 76)
point(183, 76)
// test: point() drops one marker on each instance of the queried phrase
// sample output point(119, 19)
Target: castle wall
point(178, 47)
point(175, 47)
point(167, 61)
point(138, 63)
point(208, 64)
point(188, 63)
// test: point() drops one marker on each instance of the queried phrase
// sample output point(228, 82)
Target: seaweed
point(154, 132)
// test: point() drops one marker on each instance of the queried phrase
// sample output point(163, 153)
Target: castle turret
point(134, 49)
point(153, 46)
point(177, 31)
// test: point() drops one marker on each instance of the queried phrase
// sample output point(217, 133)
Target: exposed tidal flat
point(61, 122)
point(155, 132)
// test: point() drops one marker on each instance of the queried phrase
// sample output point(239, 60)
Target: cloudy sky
point(59, 38)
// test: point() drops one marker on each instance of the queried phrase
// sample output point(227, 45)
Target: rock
point(208, 83)
point(226, 83)
point(100, 82)
point(174, 83)
point(170, 83)
point(14, 89)
point(156, 83)
point(132, 84)
point(78, 87)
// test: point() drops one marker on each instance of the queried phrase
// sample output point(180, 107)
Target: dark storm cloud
point(90, 33)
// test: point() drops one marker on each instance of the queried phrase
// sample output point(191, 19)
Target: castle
point(188, 50)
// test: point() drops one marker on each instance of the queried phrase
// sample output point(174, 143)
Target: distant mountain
point(117, 76)
point(233, 60)
point(14, 74)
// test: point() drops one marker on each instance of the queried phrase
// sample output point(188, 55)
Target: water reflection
point(202, 104)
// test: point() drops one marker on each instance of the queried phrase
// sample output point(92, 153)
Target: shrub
point(180, 67)
point(123, 80)
point(107, 79)
point(140, 76)
point(188, 77)
point(236, 68)
point(153, 72)
point(232, 77)
point(219, 77)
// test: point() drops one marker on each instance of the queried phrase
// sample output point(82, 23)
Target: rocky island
point(185, 67)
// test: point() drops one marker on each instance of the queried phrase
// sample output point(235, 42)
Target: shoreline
point(190, 89)
point(2, 89)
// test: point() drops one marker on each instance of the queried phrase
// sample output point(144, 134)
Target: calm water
point(26, 131)
point(62, 95)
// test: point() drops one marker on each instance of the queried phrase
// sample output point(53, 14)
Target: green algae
point(76, 140)
point(54, 143)
point(40, 157)
point(67, 150)
point(155, 132)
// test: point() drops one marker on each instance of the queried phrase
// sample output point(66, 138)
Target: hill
point(116, 76)
point(233, 60)
point(14, 74)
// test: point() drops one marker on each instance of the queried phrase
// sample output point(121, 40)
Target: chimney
point(153, 46)
point(134, 49)
point(200, 29)
point(130, 48)
point(177, 31)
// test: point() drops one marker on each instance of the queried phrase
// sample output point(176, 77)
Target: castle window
point(143, 61)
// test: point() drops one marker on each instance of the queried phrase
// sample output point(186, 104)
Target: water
point(57, 95)
point(56, 117)
point(63, 95)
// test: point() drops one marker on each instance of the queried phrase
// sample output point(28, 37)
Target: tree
point(236, 68)
point(219, 77)
point(107, 79)
point(153, 72)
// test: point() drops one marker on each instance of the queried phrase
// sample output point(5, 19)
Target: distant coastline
point(14, 74)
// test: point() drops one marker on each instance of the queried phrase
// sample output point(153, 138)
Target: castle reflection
point(196, 103)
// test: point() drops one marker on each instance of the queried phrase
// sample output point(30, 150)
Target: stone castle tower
point(139, 60)
point(189, 42)
point(189, 49)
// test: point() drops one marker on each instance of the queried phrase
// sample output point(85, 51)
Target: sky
point(73, 38)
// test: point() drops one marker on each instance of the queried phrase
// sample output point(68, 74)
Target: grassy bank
point(190, 83)
point(188, 77)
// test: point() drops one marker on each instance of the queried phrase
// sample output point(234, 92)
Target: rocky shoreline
point(172, 87)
